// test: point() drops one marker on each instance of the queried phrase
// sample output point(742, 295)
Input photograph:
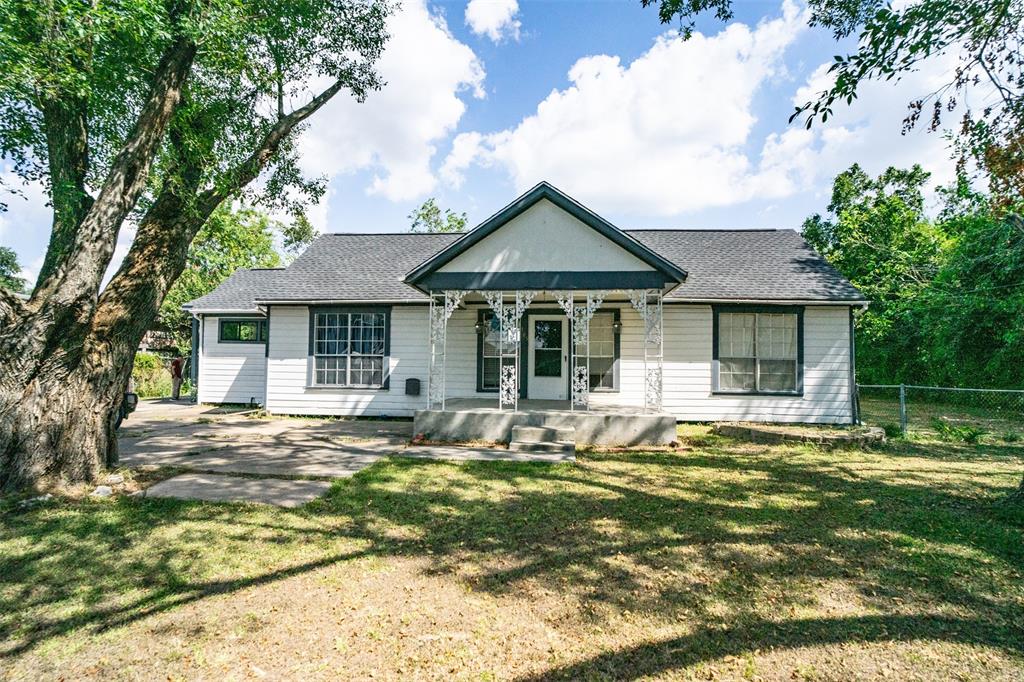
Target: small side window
point(243, 331)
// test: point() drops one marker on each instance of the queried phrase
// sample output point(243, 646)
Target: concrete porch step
point(542, 434)
point(564, 447)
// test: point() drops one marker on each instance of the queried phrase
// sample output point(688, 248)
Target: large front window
point(349, 349)
point(758, 352)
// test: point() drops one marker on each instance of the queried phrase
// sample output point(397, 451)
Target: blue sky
point(487, 98)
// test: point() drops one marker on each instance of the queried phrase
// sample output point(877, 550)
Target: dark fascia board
point(544, 190)
point(542, 280)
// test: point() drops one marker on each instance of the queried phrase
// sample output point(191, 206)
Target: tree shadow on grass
point(675, 536)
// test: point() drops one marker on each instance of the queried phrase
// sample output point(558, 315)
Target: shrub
point(892, 430)
point(1011, 437)
point(964, 433)
point(152, 377)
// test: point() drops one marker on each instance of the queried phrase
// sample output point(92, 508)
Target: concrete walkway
point(214, 443)
point(215, 488)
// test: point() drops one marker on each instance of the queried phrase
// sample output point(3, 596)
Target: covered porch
point(537, 272)
point(543, 362)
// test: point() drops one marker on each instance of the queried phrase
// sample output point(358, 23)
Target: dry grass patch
point(726, 561)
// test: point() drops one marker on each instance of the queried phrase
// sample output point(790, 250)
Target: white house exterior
point(700, 325)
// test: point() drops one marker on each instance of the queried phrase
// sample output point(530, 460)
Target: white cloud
point(395, 132)
point(868, 131)
point(494, 18)
point(661, 135)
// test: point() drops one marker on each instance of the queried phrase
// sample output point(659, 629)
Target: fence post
point(903, 410)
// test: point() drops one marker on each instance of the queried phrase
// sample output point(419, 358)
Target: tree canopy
point(10, 271)
point(429, 218)
point(947, 294)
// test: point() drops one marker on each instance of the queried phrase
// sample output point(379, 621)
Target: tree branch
point(79, 276)
point(247, 171)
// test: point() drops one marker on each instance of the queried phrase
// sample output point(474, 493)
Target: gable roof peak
point(545, 190)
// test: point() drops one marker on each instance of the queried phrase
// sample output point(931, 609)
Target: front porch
point(482, 419)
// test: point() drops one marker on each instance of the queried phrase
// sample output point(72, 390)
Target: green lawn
point(722, 561)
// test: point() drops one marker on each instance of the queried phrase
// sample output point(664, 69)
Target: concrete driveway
point(168, 433)
point(225, 448)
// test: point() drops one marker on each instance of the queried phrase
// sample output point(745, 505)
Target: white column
point(441, 308)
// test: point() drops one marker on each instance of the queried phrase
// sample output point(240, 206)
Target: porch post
point(441, 308)
point(579, 319)
point(509, 319)
point(648, 303)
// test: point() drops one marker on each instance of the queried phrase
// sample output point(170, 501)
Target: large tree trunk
point(58, 401)
point(61, 427)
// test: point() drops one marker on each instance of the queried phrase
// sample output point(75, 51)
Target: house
point(545, 307)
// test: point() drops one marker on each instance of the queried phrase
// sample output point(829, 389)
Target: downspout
point(854, 396)
point(193, 373)
point(266, 364)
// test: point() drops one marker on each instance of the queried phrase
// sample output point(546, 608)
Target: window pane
point(547, 334)
point(367, 371)
point(777, 375)
point(547, 362)
point(490, 378)
point(602, 373)
point(491, 336)
point(229, 331)
point(776, 336)
point(247, 331)
point(330, 371)
point(736, 335)
point(736, 374)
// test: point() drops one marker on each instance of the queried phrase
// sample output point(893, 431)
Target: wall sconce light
point(616, 326)
point(481, 328)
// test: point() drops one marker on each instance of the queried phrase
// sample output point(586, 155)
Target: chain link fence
point(969, 415)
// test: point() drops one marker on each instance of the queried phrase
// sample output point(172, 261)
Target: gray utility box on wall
point(412, 386)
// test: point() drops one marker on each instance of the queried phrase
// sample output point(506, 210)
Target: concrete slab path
point(216, 488)
point(460, 453)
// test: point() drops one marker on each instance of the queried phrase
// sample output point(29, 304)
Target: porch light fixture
point(480, 328)
point(616, 326)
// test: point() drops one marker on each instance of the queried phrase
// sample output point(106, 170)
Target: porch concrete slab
point(471, 454)
point(215, 488)
point(472, 419)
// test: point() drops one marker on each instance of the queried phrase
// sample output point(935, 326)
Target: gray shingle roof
point(768, 265)
point(760, 265)
point(239, 291)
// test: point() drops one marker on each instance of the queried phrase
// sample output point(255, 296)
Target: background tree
point(160, 109)
point(429, 218)
point(10, 271)
point(297, 235)
point(229, 240)
point(878, 236)
point(893, 41)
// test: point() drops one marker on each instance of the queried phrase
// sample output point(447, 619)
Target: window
point(243, 331)
point(547, 348)
point(490, 360)
point(349, 348)
point(602, 352)
point(758, 351)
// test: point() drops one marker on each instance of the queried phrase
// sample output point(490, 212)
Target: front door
point(548, 358)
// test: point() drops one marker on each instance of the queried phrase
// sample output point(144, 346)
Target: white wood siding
point(687, 387)
point(229, 372)
point(288, 375)
point(687, 379)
